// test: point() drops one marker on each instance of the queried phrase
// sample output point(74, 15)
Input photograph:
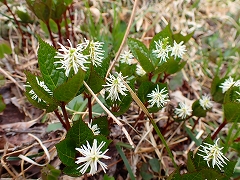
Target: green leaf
point(2, 104)
point(68, 90)
point(102, 123)
point(144, 172)
point(124, 158)
point(54, 127)
point(95, 81)
point(52, 76)
point(50, 173)
point(216, 91)
point(145, 88)
point(4, 49)
point(72, 171)
point(42, 9)
point(232, 111)
point(166, 32)
point(174, 66)
point(179, 37)
point(198, 110)
point(144, 61)
point(24, 16)
point(58, 8)
point(106, 177)
point(126, 69)
point(190, 164)
point(140, 52)
point(192, 136)
point(66, 151)
point(79, 133)
point(155, 165)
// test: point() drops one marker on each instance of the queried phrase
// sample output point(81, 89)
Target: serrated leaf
point(68, 90)
point(66, 152)
point(126, 69)
point(79, 133)
point(145, 88)
point(232, 111)
point(102, 123)
point(51, 75)
point(174, 66)
point(72, 171)
point(166, 32)
point(190, 164)
point(155, 165)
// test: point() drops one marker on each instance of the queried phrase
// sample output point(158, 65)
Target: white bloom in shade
point(183, 111)
point(72, 58)
point(115, 86)
point(239, 95)
point(227, 84)
point(91, 156)
point(96, 52)
point(178, 50)
point(205, 102)
point(213, 153)
point(95, 129)
point(162, 49)
point(140, 71)
point(158, 97)
point(127, 57)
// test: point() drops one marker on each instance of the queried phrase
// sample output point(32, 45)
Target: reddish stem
point(50, 33)
point(66, 24)
point(65, 116)
point(219, 129)
point(59, 30)
point(60, 119)
point(89, 107)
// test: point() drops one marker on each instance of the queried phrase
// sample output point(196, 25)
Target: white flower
point(183, 111)
point(227, 84)
point(162, 49)
point(158, 97)
point(205, 102)
point(238, 94)
point(91, 156)
point(213, 153)
point(72, 58)
point(140, 71)
point(96, 52)
point(115, 86)
point(95, 129)
point(127, 57)
point(42, 85)
point(178, 49)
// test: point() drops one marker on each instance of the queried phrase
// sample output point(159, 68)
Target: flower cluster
point(90, 157)
point(213, 153)
point(74, 58)
point(183, 111)
point(205, 102)
point(229, 83)
point(127, 57)
point(33, 94)
point(158, 97)
point(163, 49)
point(115, 85)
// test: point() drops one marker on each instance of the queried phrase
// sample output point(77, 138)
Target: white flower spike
point(115, 86)
point(91, 156)
point(127, 57)
point(140, 71)
point(72, 58)
point(158, 97)
point(96, 52)
point(95, 129)
point(227, 84)
point(162, 49)
point(178, 50)
point(213, 153)
point(183, 111)
point(205, 102)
